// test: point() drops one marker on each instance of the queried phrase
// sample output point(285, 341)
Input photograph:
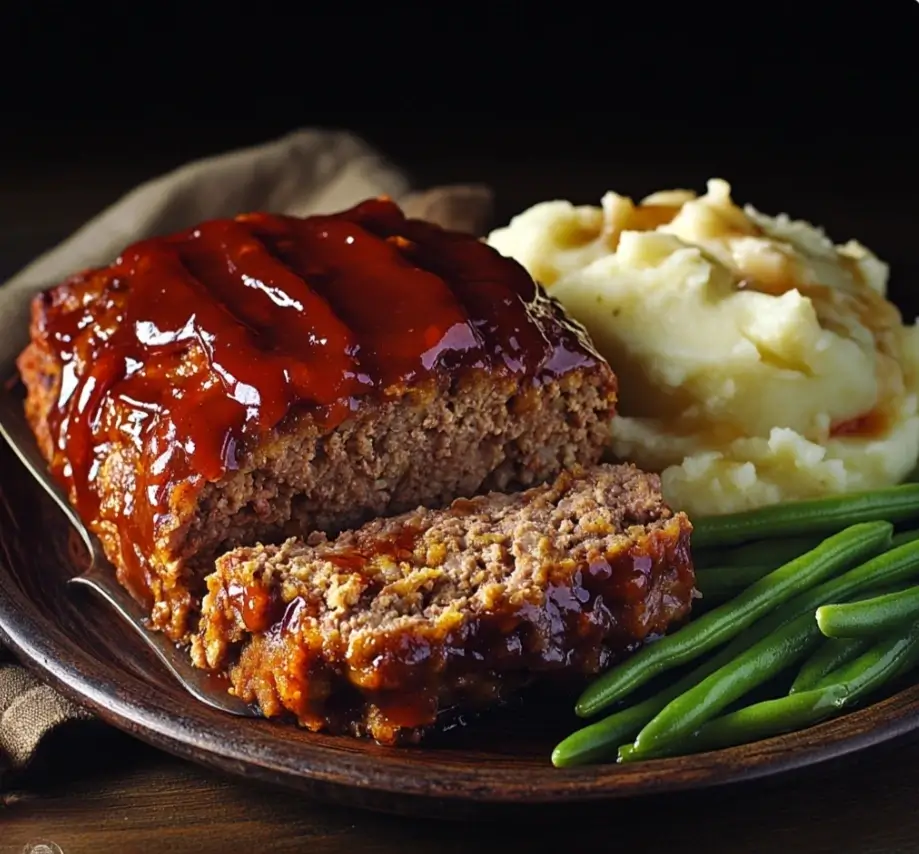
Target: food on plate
point(811, 516)
point(259, 377)
point(757, 361)
point(760, 552)
point(869, 617)
point(380, 630)
point(888, 659)
point(829, 656)
point(851, 586)
point(726, 582)
point(353, 461)
point(729, 620)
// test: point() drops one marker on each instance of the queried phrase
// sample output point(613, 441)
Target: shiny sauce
point(589, 617)
point(195, 345)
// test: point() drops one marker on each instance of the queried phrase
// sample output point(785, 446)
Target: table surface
point(113, 794)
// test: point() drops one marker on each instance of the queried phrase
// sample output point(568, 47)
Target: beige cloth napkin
point(305, 172)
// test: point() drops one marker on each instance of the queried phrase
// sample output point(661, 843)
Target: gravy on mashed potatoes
point(757, 361)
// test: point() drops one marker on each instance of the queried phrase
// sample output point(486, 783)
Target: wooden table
point(147, 802)
point(116, 795)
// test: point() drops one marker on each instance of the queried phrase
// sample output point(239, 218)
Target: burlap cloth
point(309, 171)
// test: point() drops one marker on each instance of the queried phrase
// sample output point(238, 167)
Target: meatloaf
point(265, 376)
point(380, 630)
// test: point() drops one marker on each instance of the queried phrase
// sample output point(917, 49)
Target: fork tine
point(201, 684)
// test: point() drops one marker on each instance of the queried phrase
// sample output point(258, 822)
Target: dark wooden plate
point(500, 760)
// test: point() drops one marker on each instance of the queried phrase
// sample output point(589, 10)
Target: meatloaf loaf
point(265, 376)
point(378, 631)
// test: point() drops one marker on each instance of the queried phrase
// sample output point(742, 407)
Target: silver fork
point(100, 576)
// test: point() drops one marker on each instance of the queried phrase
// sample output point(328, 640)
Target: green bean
point(765, 719)
point(772, 553)
point(690, 711)
point(600, 740)
point(597, 742)
point(904, 537)
point(727, 621)
point(810, 517)
point(893, 656)
point(871, 617)
point(625, 753)
point(832, 654)
point(755, 666)
point(741, 568)
point(718, 583)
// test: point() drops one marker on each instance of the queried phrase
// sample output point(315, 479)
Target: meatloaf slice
point(379, 630)
point(265, 376)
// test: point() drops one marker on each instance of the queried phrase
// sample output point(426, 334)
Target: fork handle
point(101, 577)
point(15, 429)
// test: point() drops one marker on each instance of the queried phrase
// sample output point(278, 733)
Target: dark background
point(808, 107)
point(808, 79)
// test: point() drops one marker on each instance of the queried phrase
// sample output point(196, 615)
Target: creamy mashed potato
point(757, 361)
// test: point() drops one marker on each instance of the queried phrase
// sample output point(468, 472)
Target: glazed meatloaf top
point(192, 348)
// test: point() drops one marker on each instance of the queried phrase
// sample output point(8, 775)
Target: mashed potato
point(757, 361)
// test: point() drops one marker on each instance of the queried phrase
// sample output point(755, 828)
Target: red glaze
point(199, 343)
